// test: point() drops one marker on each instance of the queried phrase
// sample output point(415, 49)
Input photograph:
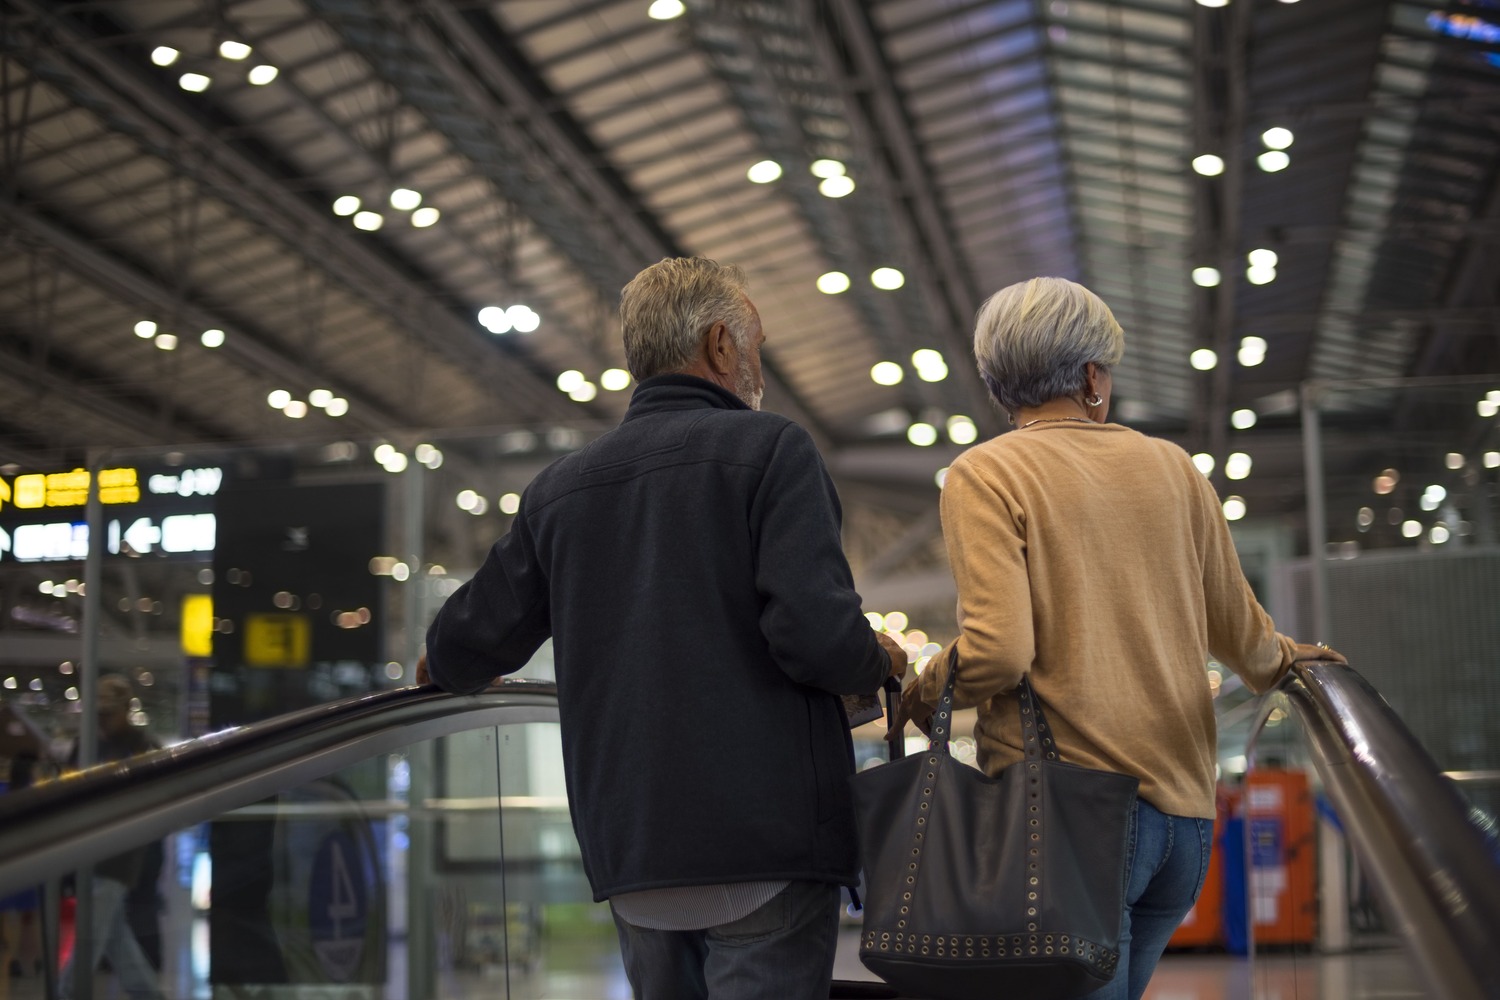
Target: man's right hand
point(897, 654)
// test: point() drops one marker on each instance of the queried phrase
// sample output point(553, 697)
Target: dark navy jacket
point(689, 569)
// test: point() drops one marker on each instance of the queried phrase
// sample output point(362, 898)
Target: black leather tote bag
point(979, 888)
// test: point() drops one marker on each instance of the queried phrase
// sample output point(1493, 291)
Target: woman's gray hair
point(1034, 340)
point(667, 308)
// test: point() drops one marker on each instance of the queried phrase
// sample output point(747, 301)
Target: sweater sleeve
point(1240, 633)
point(810, 612)
point(986, 541)
point(493, 624)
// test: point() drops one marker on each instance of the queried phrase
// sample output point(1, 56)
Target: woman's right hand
point(1304, 651)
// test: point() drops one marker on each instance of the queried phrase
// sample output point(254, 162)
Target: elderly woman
point(1097, 561)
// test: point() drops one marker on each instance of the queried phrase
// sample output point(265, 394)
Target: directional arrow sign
point(142, 535)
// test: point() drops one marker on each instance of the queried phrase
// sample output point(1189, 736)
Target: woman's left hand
point(910, 708)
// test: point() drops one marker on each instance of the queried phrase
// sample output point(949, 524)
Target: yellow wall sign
point(282, 640)
point(198, 625)
point(70, 489)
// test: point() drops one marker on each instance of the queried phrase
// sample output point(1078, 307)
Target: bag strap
point(1036, 734)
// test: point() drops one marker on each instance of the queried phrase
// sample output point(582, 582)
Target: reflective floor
point(590, 970)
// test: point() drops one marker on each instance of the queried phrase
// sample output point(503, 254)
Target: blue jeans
point(1168, 859)
point(782, 951)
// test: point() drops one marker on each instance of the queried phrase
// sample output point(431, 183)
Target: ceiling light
point(833, 282)
point(1203, 462)
point(763, 172)
point(166, 341)
point(1213, 3)
point(1438, 493)
point(1234, 508)
point(346, 205)
point(933, 372)
point(1486, 408)
point(145, 329)
point(1411, 529)
point(263, 74)
point(429, 456)
point(368, 221)
point(194, 83)
point(524, 319)
point(212, 338)
point(424, 217)
point(614, 379)
point(1453, 460)
point(1277, 138)
point(584, 393)
point(1208, 165)
point(922, 434)
point(836, 187)
point(827, 168)
point(665, 10)
point(405, 199)
point(940, 476)
point(510, 503)
point(1262, 257)
point(296, 409)
point(466, 499)
point(234, 50)
point(886, 373)
point(1252, 351)
point(1257, 275)
point(961, 430)
point(279, 398)
point(1365, 518)
point(1273, 160)
point(1492, 459)
point(495, 320)
point(397, 462)
point(887, 278)
point(1205, 277)
point(1439, 534)
point(164, 55)
point(570, 380)
point(337, 406)
point(1242, 420)
point(320, 397)
point(1203, 359)
point(1237, 465)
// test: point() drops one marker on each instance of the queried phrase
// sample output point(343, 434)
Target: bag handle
point(1036, 734)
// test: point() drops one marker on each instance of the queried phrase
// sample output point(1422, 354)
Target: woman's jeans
point(1168, 858)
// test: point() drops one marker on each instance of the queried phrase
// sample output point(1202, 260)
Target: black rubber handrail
point(1408, 824)
point(59, 826)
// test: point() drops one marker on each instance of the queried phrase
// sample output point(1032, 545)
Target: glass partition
point(445, 869)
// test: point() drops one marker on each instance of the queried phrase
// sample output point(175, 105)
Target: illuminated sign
point(176, 533)
point(37, 490)
point(198, 625)
point(1475, 29)
point(277, 640)
point(69, 489)
point(189, 483)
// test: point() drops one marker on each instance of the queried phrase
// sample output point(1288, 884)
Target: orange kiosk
point(1281, 826)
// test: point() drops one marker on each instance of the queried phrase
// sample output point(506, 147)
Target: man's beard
point(744, 386)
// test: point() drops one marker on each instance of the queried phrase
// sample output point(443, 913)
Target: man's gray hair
point(1034, 339)
point(667, 308)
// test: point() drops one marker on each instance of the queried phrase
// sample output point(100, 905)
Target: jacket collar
point(666, 393)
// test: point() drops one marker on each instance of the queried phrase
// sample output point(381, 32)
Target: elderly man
point(688, 566)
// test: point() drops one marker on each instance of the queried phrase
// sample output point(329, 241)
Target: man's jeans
point(113, 937)
point(782, 951)
point(1168, 860)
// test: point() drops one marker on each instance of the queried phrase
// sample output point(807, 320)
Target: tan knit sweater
point(1099, 560)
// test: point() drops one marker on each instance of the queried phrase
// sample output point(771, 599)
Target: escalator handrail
point(1408, 825)
point(85, 817)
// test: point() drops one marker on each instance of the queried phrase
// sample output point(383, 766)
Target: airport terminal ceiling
point(413, 220)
